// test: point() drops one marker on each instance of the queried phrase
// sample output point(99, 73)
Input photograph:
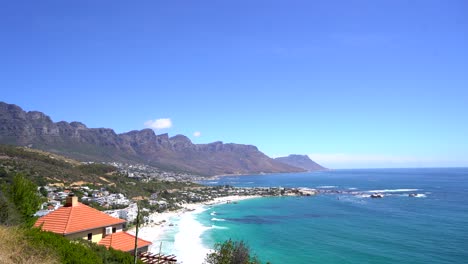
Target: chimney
point(72, 200)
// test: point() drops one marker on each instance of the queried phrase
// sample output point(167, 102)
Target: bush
point(96, 168)
point(15, 248)
point(9, 215)
point(68, 251)
point(76, 251)
point(20, 200)
point(231, 252)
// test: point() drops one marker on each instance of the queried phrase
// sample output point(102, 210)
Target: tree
point(9, 216)
point(231, 252)
point(22, 194)
point(43, 191)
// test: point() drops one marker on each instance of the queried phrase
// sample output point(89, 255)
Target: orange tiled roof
point(72, 219)
point(122, 241)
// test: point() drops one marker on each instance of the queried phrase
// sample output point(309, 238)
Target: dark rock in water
point(377, 195)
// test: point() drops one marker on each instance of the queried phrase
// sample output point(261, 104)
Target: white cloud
point(196, 133)
point(159, 123)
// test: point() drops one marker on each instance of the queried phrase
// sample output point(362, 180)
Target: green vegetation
point(9, 215)
point(96, 168)
point(42, 167)
point(16, 248)
point(77, 251)
point(26, 245)
point(231, 252)
point(19, 200)
point(134, 188)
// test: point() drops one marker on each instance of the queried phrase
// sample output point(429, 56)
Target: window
point(114, 229)
point(90, 236)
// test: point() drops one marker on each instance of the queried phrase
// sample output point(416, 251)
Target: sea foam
point(393, 190)
point(219, 227)
point(188, 245)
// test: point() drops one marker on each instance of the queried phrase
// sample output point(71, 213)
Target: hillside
point(25, 245)
point(15, 248)
point(178, 153)
point(44, 167)
point(301, 161)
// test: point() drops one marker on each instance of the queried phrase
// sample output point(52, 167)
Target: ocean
point(343, 228)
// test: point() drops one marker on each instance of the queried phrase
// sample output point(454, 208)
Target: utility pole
point(135, 252)
point(159, 255)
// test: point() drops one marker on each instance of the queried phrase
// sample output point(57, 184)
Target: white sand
point(188, 246)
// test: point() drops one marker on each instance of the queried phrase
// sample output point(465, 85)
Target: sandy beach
point(188, 246)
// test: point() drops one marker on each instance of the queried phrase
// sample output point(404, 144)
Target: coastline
point(188, 245)
point(340, 208)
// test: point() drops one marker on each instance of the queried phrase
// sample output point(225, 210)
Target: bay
point(350, 228)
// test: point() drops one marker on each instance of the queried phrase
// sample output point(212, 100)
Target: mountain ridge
point(301, 161)
point(37, 130)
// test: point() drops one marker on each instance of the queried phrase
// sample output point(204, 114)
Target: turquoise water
point(342, 228)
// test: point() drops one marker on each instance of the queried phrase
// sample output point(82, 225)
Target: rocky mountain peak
point(35, 115)
point(78, 125)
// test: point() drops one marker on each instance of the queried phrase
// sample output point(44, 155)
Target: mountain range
point(36, 130)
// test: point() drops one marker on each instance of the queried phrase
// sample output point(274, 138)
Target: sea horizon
point(336, 169)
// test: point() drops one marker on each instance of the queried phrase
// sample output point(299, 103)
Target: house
point(76, 220)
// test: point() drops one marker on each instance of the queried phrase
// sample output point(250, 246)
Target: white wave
point(352, 188)
point(393, 190)
point(188, 245)
point(399, 195)
point(219, 227)
point(363, 195)
point(420, 195)
point(305, 189)
point(354, 199)
point(326, 186)
point(217, 219)
point(213, 213)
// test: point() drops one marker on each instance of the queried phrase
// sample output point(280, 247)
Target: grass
point(24, 245)
point(16, 248)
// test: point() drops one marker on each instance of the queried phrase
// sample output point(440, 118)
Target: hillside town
point(146, 173)
point(120, 206)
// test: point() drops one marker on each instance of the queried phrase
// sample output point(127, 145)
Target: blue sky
point(351, 83)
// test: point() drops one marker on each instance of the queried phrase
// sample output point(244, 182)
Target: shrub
point(20, 200)
point(231, 252)
point(96, 168)
point(15, 248)
point(76, 251)
point(68, 251)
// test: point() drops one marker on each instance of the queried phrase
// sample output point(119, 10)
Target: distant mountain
point(301, 161)
point(178, 153)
